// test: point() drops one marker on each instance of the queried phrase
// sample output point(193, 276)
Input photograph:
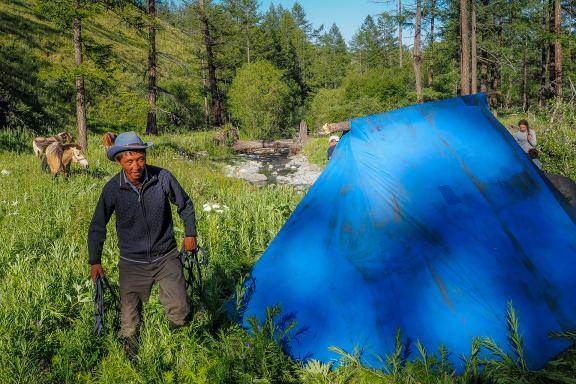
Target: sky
point(347, 14)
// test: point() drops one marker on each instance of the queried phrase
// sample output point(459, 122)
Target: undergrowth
point(46, 296)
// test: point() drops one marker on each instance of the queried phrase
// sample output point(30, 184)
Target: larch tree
point(557, 49)
point(400, 27)
point(474, 51)
point(216, 106)
point(464, 49)
point(431, 43)
point(417, 53)
point(151, 127)
point(69, 14)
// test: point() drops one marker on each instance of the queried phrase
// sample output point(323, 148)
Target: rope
point(100, 286)
point(190, 261)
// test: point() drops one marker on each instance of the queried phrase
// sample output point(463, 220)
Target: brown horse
point(108, 139)
point(40, 144)
point(59, 156)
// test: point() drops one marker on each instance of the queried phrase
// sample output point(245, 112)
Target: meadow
point(46, 308)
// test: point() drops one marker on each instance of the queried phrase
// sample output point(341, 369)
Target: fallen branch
point(265, 146)
point(329, 128)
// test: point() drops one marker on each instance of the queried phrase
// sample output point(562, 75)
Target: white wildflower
point(226, 207)
point(15, 203)
point(207, 207)
point(219, 211)
point(216, 206)
point(5, 172)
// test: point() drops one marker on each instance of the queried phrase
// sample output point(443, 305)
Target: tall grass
point(45, 292)
point(46, 296)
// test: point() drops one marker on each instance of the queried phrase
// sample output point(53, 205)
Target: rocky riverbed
point(276, 168)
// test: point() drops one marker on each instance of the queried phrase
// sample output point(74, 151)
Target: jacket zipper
point(140, 193)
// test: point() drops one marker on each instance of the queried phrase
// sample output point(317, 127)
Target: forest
point(181, 66)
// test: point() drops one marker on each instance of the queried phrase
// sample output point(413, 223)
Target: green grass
point(315, 150)
point(45, 292)
point(46, 308)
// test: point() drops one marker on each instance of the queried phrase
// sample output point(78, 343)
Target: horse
point(108, 139)
point(59, 156)
point(39, 144)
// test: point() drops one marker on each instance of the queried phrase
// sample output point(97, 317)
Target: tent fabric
point(428, 219)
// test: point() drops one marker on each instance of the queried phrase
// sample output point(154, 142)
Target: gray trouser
point(136, 282)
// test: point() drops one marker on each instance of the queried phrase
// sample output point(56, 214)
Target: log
point(303, 132)
point(266, 146)
point(329, 128)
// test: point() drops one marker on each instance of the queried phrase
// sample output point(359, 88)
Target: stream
point(275, 168)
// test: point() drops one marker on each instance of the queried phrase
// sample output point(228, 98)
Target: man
point(140, 195)
point(332, 141)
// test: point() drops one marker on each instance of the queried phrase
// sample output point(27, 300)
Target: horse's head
point(77, 154)
point(66, 137)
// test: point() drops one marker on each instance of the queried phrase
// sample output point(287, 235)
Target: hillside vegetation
point(37, 82)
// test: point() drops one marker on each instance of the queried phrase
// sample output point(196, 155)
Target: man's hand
point(190, 244)
point(96, 270)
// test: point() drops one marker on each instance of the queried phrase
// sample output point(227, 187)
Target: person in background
point(525, 137)
point(332, 141)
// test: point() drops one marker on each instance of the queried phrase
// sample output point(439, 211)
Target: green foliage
point(362, 93)
point(374, 45)
point(36, 51)
point(557, 140)
point(258, 100)
point(26, 99)
point(331, 60)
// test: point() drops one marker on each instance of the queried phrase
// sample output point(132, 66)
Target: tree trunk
point(474, 74)
point(464, 49)
point(431, 43)
point(247, 48)
point(495, 67)
point(483, 72)
point(557, 49)
point(206, 105)
point(525, 79)
point(545, 51)
point(151, 127)
point(400, 25)
point(214, 95)
point(551, 47)
point(80, 103)
point(417, 53)
point(484, 54)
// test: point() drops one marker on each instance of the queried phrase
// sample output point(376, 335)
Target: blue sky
point(347, 14)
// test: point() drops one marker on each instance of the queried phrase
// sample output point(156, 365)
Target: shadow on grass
point(96, 173)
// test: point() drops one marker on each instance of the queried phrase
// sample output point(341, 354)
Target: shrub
point(258, 100)
point(558, 140)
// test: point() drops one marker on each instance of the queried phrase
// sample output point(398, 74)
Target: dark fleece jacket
point(143, 220)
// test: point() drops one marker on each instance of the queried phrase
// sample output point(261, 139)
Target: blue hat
point(127, 141)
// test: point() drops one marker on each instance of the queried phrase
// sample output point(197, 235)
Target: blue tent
point(428, 219)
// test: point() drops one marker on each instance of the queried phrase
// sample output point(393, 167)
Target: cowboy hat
point(127, 141)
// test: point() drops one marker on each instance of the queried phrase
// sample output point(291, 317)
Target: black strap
point(100, 286)
point(190, 261)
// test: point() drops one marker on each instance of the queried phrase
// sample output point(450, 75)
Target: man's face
point(133, 164)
